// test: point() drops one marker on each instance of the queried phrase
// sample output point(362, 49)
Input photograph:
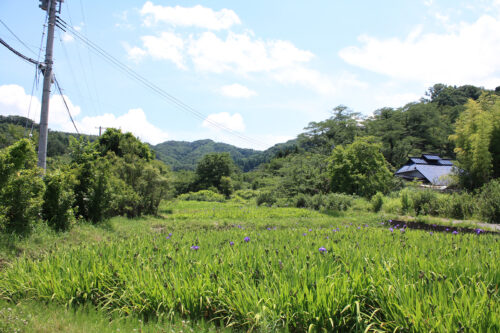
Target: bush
point(425, 202)
point(58, 200)
point(489, 201)
point(317, 202)
point(338, 201)
point(246, 194)
point(377, 201)
point(301, 200)
point(392, 205)
point(203, 195)
point(21, 201)
point(457, 205)
point(406, 204)
point(21, 188)
point(266, 198)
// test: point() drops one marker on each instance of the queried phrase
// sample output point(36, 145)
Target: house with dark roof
point(430, 169)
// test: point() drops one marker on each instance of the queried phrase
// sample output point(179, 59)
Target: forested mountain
point(179, 155)
point(183, 155)
point(13, 128)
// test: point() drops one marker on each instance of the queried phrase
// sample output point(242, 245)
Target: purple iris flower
point(247, 239)
point(310, 230)
point(402, 230)
point(322, 250)
point(455, 232)
point(304, 234)
point(391, 229)
point(231, 243)
point(195, 247)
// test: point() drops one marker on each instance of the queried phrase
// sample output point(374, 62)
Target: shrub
point(21, 201)
point(317, 202)
point(377, 201)
point(489, 201)
point(21, 188)
point(203, 195)
point(301, 200)
point(246, 194)
point(457, 205)
point(425, 202)
point(406, 203)
point(266, 197)
point(392, 205)
point(338, 201)
point(58, 200)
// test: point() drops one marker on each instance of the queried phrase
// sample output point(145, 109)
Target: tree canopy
point(359, 168)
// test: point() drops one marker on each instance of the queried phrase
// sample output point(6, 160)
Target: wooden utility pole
point(50, 7)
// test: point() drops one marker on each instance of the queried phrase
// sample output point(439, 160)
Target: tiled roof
point(418, 160)
point(435, 172)
point(431, 157)
point(445, 162)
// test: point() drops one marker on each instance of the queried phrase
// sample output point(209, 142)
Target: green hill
point(182, 155)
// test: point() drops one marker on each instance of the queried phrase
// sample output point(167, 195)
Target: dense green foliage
point(58, 200)
point(477, 140)
point(21, 188)
point(359, 168)
point(112, 176)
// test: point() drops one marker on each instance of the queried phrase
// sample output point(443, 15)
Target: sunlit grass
point(369, 278)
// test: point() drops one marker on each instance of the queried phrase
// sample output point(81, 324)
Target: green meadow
point(202, 266)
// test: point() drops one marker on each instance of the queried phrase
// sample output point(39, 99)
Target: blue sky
point(262, 69)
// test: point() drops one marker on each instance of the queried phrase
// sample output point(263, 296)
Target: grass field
point(227, 266)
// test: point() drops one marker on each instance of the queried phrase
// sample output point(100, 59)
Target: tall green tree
point(359, 168)
point(477, 140)
point(340, 129)
point(211, 168)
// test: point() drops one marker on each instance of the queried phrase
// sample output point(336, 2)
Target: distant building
point(430, 169)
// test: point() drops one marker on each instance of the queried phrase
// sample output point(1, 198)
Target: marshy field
point(208, 266)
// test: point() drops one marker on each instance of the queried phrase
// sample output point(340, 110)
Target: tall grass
point(367, 277)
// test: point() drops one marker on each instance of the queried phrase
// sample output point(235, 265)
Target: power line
point(148, 84)
point(19, 39)
point(65, 104)
point(19, 54)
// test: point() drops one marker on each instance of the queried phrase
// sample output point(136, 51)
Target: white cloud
point(197, 16)
point(237, 91)
point(67, 38)
point(243, 54)
point(15, 101)
point(168, 46)
point(133, 121)
point(233, 122)
point(466, 56)
point(135, 53)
